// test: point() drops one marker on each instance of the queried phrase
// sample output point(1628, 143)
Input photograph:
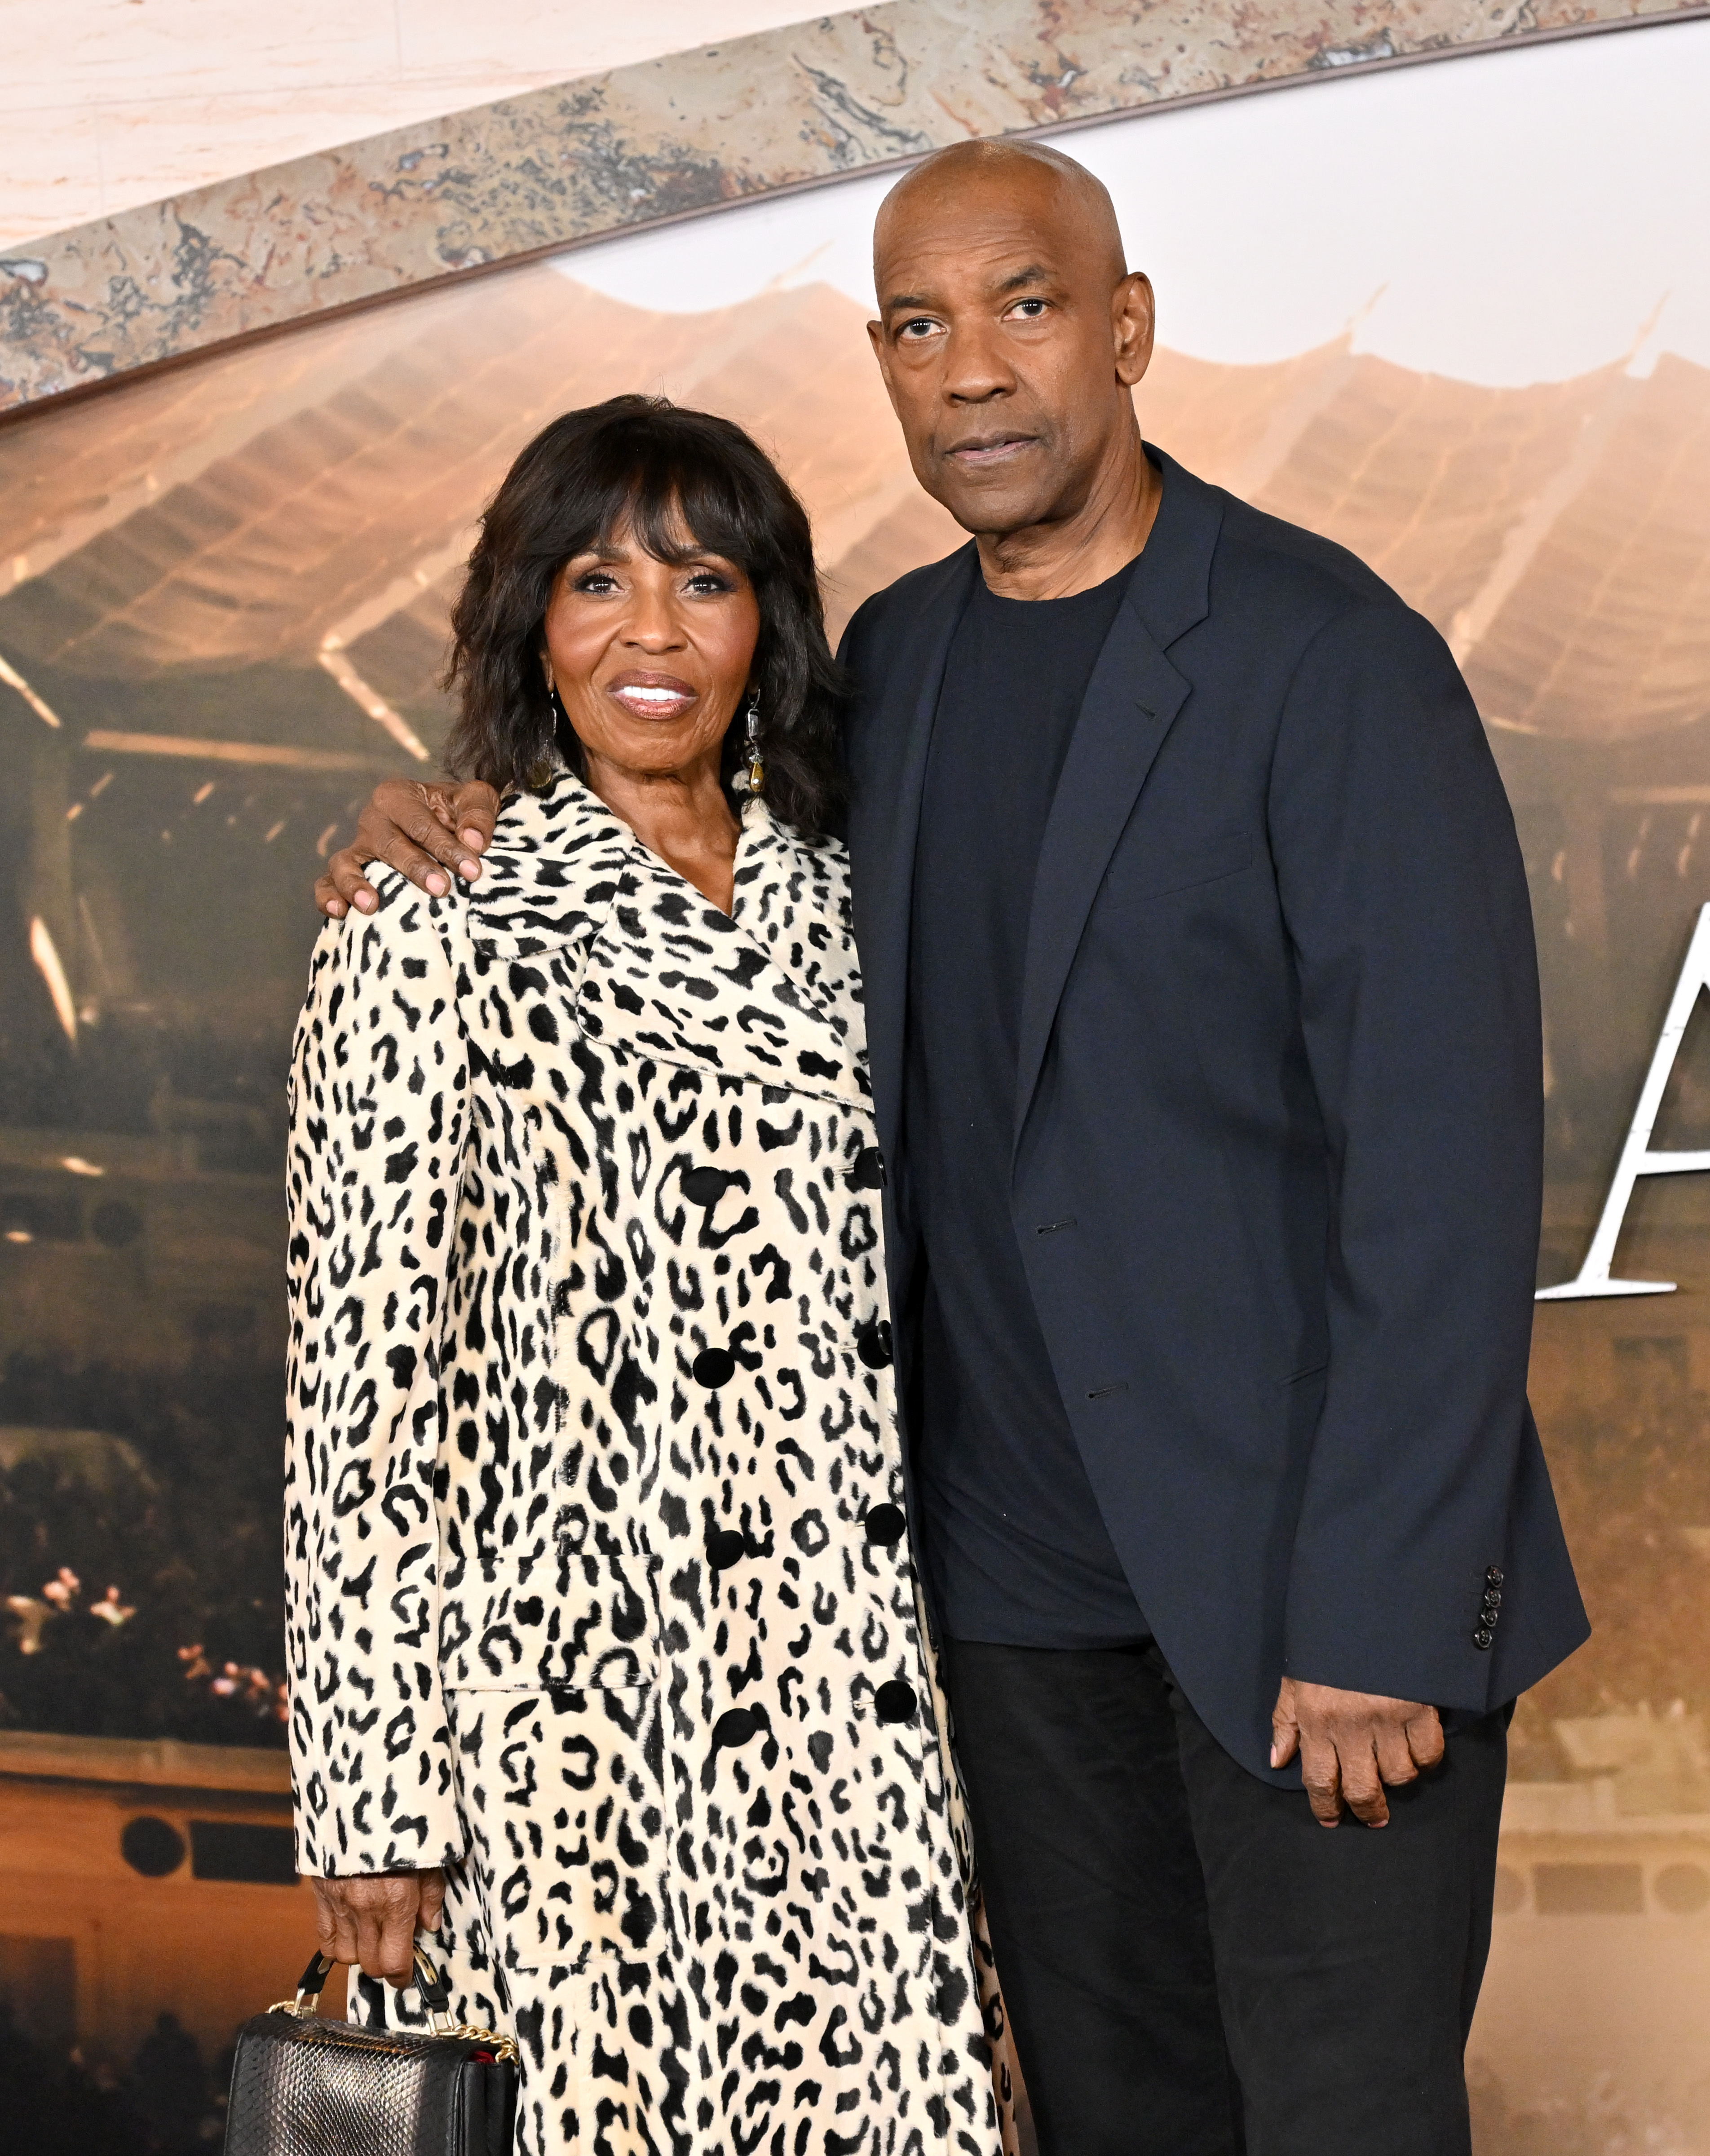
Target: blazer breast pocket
point(1145, 872)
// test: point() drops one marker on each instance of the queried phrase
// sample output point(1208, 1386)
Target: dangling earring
point(561, 754)
point(752, 780)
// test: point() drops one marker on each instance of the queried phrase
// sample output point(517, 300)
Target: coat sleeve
point(1405, 899)
point(379, 1102)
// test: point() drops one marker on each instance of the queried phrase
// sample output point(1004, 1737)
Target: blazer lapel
point(1131, 704)
point(888, 750)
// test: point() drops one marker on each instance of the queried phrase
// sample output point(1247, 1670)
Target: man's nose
point(976, 367)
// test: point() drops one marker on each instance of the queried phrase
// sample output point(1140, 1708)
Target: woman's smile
point(652, 695)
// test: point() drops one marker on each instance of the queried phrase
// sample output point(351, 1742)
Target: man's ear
point(1133, 324)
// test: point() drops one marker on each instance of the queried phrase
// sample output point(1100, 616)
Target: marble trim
point(824, 100)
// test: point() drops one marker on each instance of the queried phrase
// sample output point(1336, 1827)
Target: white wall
point(1509, 217)
point(106, 103)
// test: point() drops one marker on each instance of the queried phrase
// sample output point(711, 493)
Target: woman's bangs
point(678, 504)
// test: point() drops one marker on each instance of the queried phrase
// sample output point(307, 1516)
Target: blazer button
point(726, 1548)
point(713, 1366)
point(885, 1523)
point(705, 1186)
point(1482, 1638)
point(873, 1343)
point(1493, 1577)
point(868, 1173)
point(1493, 1600)
point(894, 1701)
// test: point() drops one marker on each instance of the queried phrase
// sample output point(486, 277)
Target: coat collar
point(771, 992)
point(554, 866)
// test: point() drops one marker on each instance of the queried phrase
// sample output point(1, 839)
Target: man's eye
point(1028, 309)
point(921, 327)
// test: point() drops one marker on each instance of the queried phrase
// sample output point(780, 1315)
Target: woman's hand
point(373, 1917)
point(421, 830)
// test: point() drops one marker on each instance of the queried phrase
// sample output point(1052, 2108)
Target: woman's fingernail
point(336, 910)
point(473, 840)
point(469, 868)
point(435, 884)
point(365, 900)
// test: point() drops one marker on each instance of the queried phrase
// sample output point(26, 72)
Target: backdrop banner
point(1457, 318)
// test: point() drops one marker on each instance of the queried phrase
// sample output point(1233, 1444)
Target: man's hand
point(1351, 1744)
point(421, 829)
point(372, 1918)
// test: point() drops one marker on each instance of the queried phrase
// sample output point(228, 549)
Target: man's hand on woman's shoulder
point(426, 830)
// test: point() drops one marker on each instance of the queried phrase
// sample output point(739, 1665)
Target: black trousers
point(1192, 1965)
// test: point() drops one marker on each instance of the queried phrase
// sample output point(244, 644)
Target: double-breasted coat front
point(600, 1593)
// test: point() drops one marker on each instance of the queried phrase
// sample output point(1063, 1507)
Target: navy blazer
point(1276, 1169)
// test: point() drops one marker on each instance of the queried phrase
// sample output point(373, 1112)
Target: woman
point(604, 1625)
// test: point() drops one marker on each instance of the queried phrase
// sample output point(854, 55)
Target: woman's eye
point(597, 583)
point(708, 581)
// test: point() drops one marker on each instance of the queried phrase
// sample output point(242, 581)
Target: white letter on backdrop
point(1637, 1157)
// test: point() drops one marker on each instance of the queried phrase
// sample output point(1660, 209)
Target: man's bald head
point(1010, 335)
point(1026, 177)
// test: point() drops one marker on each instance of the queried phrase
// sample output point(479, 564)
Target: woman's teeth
point(652, 700)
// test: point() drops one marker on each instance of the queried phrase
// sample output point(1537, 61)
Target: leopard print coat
point(600, 1592)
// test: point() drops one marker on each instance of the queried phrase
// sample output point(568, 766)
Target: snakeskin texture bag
point(303, 2086)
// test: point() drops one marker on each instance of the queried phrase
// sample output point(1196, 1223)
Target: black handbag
point(303, 2086)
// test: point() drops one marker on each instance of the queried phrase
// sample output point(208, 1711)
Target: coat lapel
point(1130, 703)
point(656, 968)
point(792, 900)
point(888, 746)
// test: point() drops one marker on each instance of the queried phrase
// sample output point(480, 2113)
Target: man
point(1202, 1014)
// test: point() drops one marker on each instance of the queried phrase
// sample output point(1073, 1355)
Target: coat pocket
point(562, 1797)
point(1140, 873)
point(577, 1620)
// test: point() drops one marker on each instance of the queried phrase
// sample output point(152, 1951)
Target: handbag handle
point(436, 1992)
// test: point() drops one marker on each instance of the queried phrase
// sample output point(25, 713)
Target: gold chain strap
point(304, 2007)
point(504, 2047)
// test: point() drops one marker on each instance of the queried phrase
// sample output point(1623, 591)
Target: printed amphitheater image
point(1454, 317)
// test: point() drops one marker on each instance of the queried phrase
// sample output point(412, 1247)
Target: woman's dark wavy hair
point(646, 461)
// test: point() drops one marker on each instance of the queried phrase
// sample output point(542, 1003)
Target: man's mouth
point(652, 695)
point(982, 449)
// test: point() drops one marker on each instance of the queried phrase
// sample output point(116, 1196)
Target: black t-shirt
point(1015, 1544)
